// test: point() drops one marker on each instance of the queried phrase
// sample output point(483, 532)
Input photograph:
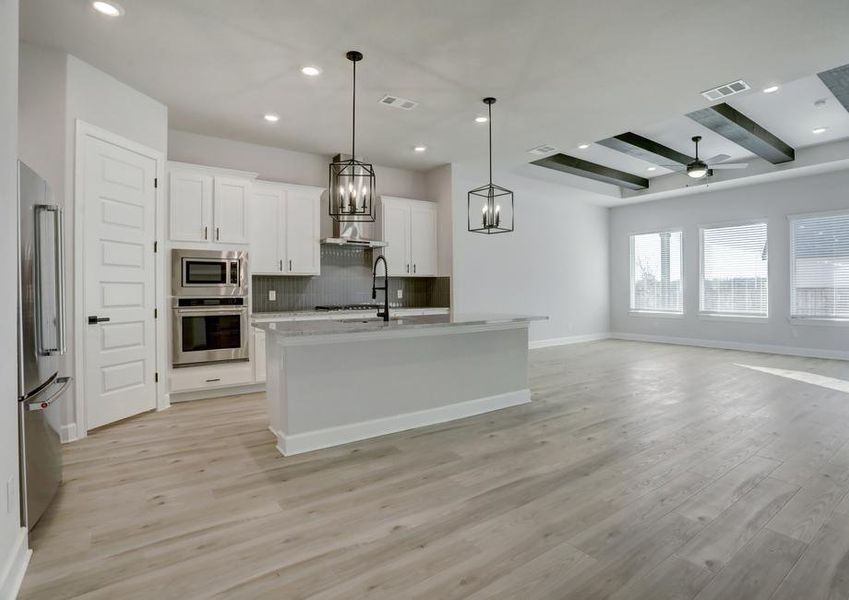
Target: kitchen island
point(334, 382)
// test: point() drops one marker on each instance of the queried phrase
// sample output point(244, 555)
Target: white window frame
point(654, 313)
point(734, 317)
point(799, 320)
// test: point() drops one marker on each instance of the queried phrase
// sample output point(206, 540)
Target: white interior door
point(266, 222)
point(302, 233)
point(119, 203)
point(423, 239)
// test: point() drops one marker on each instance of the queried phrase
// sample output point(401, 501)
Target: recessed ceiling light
point(652, 169)
point(771, 89)
point(311, 71)
point(271, 117)
point(419, 148)
point(481, 119)
point(820, 130)
point(110, 9)
point(583, 146)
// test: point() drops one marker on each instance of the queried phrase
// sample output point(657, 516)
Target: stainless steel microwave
point(209, 273)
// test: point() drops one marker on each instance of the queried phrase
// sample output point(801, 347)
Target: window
point(734, 279)
point(656, 273)
point(820, 268)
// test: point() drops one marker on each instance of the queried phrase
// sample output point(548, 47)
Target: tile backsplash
point(345, 279)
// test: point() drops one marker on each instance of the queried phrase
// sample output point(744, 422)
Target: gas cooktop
point(334, 307)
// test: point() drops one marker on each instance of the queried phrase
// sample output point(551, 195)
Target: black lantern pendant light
point(352, 183)
point(490, 207)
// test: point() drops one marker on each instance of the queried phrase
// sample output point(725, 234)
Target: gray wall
point(555, 262)
point(772, 201)
point(12, 535)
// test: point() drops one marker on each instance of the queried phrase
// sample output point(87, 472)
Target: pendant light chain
point(489, 106)
point(354, 113)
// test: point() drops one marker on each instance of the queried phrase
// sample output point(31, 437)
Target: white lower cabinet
point(284, 229)
point(409, 228)
point(193, 379)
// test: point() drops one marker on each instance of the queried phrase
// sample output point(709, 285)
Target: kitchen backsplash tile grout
point(345, 279)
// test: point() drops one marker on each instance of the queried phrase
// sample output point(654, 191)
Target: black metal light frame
point(490, 197)
point(351, 185)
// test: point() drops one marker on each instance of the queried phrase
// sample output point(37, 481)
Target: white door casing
point(118, 200)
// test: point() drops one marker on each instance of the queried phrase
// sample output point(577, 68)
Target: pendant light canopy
point(490, 207)
point(351, 189)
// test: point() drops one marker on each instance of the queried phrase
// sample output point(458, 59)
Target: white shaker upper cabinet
point(409, 227)
point(230, 210)
point(284, 229)
point(265, 226)
point(190, 194)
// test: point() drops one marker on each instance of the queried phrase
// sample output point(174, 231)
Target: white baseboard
point(343, 434)
point(565, 341)
point(68, 433)
point(724, 345)
point(13, 569)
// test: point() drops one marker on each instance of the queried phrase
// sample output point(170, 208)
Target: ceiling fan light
point(697, 171)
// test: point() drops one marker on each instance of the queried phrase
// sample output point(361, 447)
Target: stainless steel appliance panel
point(206, 273)
point(212, 330)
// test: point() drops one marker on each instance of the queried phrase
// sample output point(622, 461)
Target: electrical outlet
point(272, 295)
point(400, 294)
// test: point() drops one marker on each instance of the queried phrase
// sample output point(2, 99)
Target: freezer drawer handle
point(64, 382)
point(94, 319)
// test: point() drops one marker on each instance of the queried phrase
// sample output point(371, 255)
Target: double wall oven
point(209, 306)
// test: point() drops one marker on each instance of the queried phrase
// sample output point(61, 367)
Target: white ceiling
point(565, 72)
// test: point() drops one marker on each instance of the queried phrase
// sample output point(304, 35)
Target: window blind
point(820, 282)
point(734, 273)
point(656, 284)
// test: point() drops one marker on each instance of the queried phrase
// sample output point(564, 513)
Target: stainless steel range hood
point(353, 234)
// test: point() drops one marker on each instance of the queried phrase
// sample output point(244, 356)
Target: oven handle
point(206, 311)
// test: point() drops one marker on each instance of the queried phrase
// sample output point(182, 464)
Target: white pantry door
point(120, 341)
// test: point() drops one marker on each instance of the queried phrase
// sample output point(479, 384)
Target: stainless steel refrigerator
point(41, 341)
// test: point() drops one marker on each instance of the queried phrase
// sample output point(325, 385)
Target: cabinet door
point(302, 233)
point(190, 201)
point(266, 230)
point(423, 253)
point(396, 234)
point(259, 355)
point(231, 210)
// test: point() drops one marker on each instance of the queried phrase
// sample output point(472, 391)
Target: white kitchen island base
point(338, 382)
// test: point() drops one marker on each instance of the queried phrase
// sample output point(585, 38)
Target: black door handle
point(94, 319)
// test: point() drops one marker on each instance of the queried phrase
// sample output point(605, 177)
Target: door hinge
point(155, 182)
point(156, 377)
point(155, 313)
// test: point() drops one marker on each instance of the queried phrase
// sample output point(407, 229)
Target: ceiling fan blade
point(717, 159)
point(729, 166)
point(674, 167)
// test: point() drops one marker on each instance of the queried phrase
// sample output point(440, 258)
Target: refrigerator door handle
point(59, 274)
point(62, 382)
point(60, 279)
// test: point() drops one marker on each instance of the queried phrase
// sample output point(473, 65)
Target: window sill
point(819, 322)
point(662, 315)
point(761, 319)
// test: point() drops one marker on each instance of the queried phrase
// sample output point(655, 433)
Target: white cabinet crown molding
point(173, 164)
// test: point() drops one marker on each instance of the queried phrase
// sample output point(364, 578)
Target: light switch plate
point(400, 294)
point(272, 295)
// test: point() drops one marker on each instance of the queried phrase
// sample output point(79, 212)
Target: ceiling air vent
point(728, 89)
point(542, 150)
point(396, 102)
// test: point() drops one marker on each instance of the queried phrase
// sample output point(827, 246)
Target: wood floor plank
point(639, 471)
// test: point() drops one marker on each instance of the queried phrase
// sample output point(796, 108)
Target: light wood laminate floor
point(639, 471)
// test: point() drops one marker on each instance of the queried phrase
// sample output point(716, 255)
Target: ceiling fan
point(701, 168)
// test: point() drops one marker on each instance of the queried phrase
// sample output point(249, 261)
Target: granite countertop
point(349, 324)
point(324, 315)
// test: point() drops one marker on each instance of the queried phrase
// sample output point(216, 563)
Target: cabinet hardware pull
point(408, 267)
point(217, 234)
point(281, 264)
point(290, 264)
point(414, 267)
point(206, 232)
point(213, 380)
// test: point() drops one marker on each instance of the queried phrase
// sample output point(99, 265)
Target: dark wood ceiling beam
point(645, 149)
point(740, 129)
point(585, 168)
point(837, 80)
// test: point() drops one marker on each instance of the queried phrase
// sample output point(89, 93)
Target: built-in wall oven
point(209, 272)
point(209, 310)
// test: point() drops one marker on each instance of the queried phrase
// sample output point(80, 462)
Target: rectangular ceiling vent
point(542, 150)
point(396, 102)
point(728, 89)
